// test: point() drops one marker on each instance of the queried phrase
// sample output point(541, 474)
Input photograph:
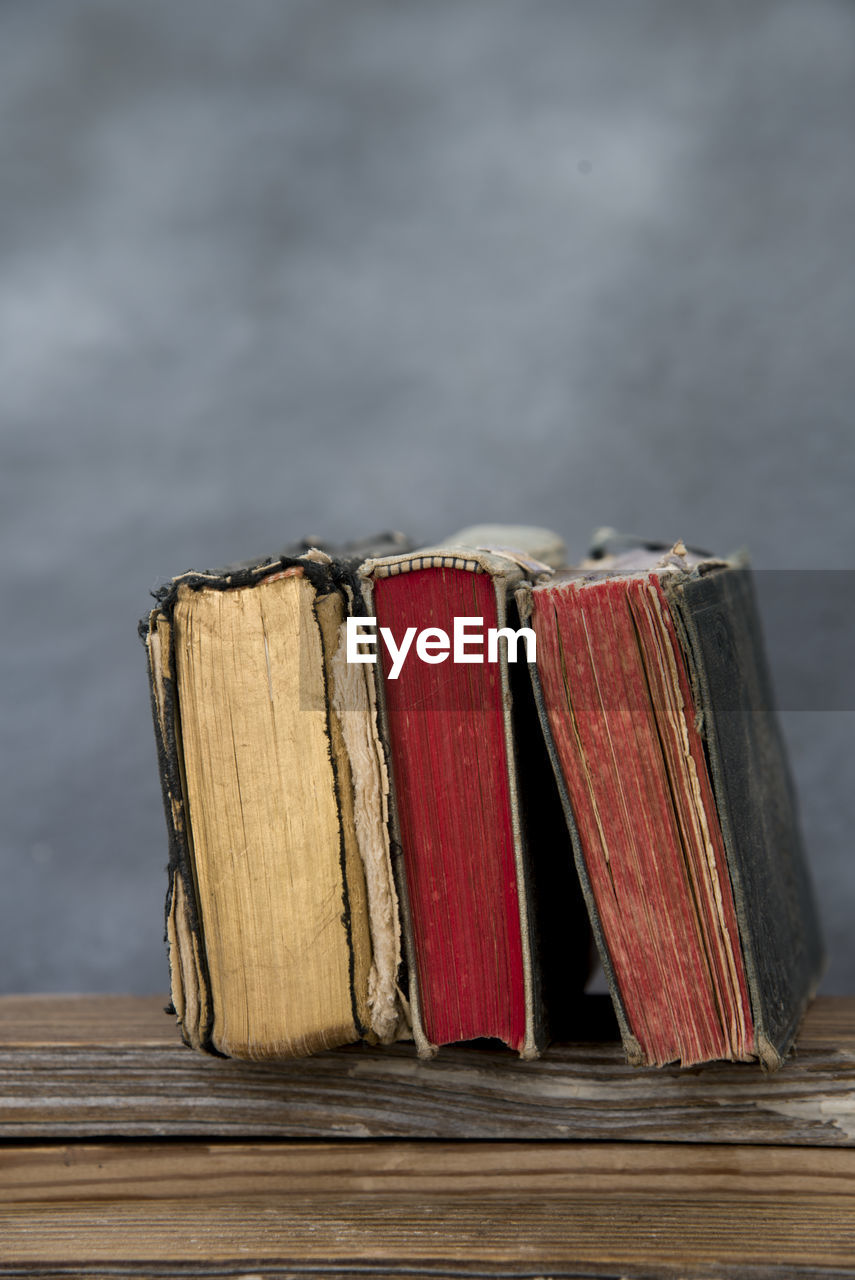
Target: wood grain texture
point(489, 1209)
point(110, 1066)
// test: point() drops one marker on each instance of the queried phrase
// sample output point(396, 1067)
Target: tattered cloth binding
point(493, 923)
point(656, 704)
point(282, 918)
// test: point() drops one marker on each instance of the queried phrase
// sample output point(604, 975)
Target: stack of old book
point(403, 786)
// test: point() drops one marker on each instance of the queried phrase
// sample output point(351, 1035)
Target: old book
point(658, 711)
point(484, 873)
point(282, 917)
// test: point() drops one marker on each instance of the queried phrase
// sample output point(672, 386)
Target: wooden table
point(125, 1154)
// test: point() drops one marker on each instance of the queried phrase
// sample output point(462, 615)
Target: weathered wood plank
point(110, 1066)
point(59, 1021)
point(428, 1209)
point(32, 1021)
point(43, 1174)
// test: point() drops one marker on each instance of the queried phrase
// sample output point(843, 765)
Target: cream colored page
point(371, 798)
point(329, 611)
point(265, 823)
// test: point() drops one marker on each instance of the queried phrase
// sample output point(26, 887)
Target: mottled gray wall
point(296, 266)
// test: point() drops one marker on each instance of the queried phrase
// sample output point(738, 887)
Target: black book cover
point(778, 922)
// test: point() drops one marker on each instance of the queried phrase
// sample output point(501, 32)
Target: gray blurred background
point(292, 267)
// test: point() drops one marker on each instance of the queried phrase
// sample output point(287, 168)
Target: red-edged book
point(495, 932)
point(656, 704)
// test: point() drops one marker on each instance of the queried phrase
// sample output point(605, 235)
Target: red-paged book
point(495, 936)
point(656, 702)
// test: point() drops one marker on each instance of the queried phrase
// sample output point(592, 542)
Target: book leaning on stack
point(395, 779)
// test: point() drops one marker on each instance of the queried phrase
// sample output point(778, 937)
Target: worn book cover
point(656, 704)
point(281, 917)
